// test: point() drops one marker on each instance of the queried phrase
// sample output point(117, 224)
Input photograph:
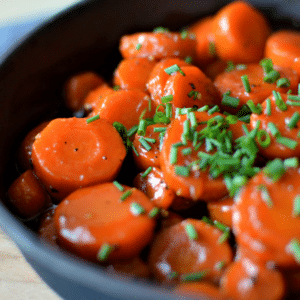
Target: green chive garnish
point(265, 195)
point(212, 48)
point(138, 46)
point(296, 206)
point(149, 169)
point(154, 212)
point(292, 162)
point(274, 130)
point(161, 29)
point(279, 102)
point(125, 195)
point(294, 120)
point(132, 130)
point(193, 94)
point(230, 101)
point(142, 127)
point(254, 109)
point(188, 59)
point(104, 252)
point(118, 186)
point(283, 83)
point(197, 276)
point(145, 144)
point(166, 99)
point(268, 107)
point(92, 119)
point(182, 171)
point(271, 76)
point(293, 103)
point(293, 97)
point(294, 247)
point(137, 209)
point(186, 151)
point(246, 83)
point(191, 231)
point(172, 69)
point(135, 151)
point(289, 143)
point(274, 169)
point(263, 138)
point(213, 110)
point(173, 155)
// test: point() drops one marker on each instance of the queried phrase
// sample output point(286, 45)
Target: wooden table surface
point(18, 281)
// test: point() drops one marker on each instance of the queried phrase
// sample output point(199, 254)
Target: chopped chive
point(246, 83)
point(184, 34)
point(137, 209)
point(220, 265)
point(166, 99)
point(154, 212)
point(150, 140)
point(293, 97)
point(104, 252)
point(188, 59)
point(138, 46)
point(265, 195)
point(168, 110)
point(294, 247)
point(186, 151)
point(132, 130)
point(193, 94)
point(274, 169)
point(292, 162)
point(182, 171)
point(172, 69)
point(149, 169)
point(224, 237)
point(212, 48)
point(191, 231)
point(161, 29)
point(173, 155)
point(298, 89)
point(271, 76)
point(274, 130)
point(254, 109)
point(207, 220)
point(241, 67)
point(159, 129)
point(294, 120)
point(266, 64)
point(289, 143)
point(118, 186)
point(268, 107)
point(220, 226)
point(193, 120)
point(263, 138)
point(92, 119)
point(125, 195)
point(279, 102)
point(230, 101)
point(135, 151)
point(293, 103)
point(197, 276)
point(116, 87)
point(296, 206)
point(283, 82)
point(142, 127)
point(213, 110)
point(145, 144)
point(230, 66)
point(203, 108)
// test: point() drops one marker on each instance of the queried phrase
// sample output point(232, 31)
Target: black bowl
point(82, 38)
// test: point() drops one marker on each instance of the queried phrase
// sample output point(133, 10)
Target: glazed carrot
point(94, 98)
point(245, 280)
point(158, 77)
point(77, 88)
point(189, 88)
point(181, 203)
point(175, 252)
point(265, 226)
point(125, 107)
point(104, 222)
point(170, 219)
point(24, 153)
point(147, 155)
point(72, 153)
point(221, 210)
point(259, 88)
point(283, 47)
point(240, 32)
point(157, 45)
point(28, 196)
point(133, 73)
point(215, 68)
point(154, 186)
point(205, 48)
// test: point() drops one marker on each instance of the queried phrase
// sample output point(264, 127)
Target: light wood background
point(18, 281)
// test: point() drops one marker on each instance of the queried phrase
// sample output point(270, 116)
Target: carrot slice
point(240, 33)
point(154, 186)
point(259, 89)
point(266, 226)
point(77, 88)
point(102, 223)
point(133, 73)
point(157, 45)
point(189, 251)
point(72, 153)
point(245, 280)
point(158, 77)
point(125, 107)
point(28, 196)
point(283, 47)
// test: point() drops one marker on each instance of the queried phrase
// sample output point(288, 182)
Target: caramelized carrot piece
point(171, 219)
point(154, 186)
point(205, 47)
point(125, 107)
point(215, 68)
point(175, 253)
point(240, 33)
point(157, 45)
point(24, 154)
point(283, 47)
point(158, 77)
point(28, 196)
point(77, 88)
point(72, 153)
point(264, 225)
point(245, 280)
point(103, 223)
point(133, 73)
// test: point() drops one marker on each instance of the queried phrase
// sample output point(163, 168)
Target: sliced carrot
point(28, 196)
point(275, 118)
point(125, 107)
point(259, 89)
point(94, 97)
point(102, 223)
point(24, 153)
point(154, 186)
point(240, 32)
point(189, 251)
point(157, 45)
point(245, 280)
point(190, 88)
point(133, 73)
point(72, 153)
point(78, 86)
point(145, 156)
point(205, 47)
point(265, 226)
point(283, 47)
point(158, 77)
